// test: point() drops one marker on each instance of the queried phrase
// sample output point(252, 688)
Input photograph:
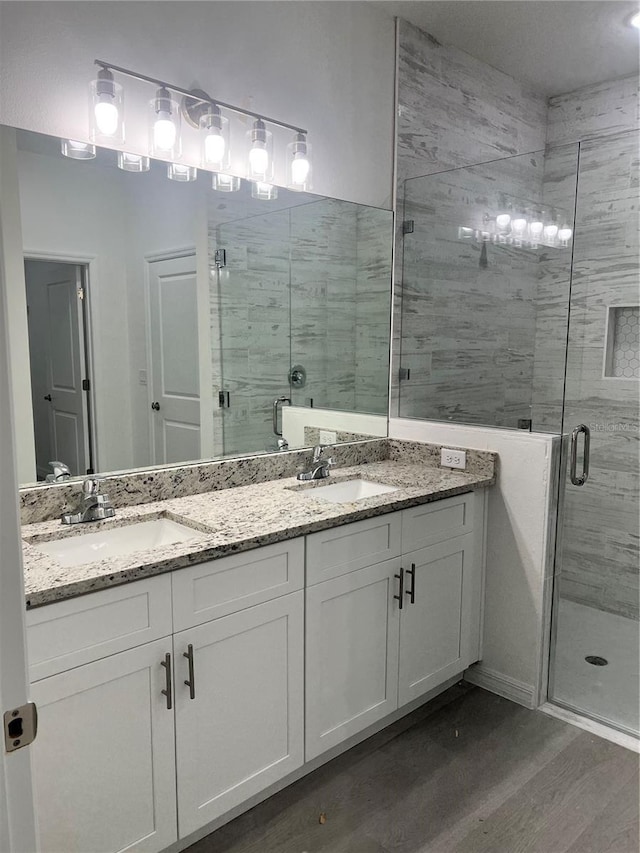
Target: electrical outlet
point(453, 458)
point(327, 436)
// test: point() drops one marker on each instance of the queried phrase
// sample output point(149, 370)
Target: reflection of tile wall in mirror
point(305, 280)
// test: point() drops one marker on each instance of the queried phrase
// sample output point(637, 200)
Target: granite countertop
point(234, 520)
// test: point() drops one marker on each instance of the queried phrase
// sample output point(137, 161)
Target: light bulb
point(550, 231)
point(536, 228)
point(519, 224)
point(214, 147)
point(258, 160)
point(564, 233)
point(106, 117)
point(299, 169)
point(503, 220)
point(634, 20)
point(164, 132)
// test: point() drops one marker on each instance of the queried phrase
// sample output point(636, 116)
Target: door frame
point(148, 259)
point(89, 265)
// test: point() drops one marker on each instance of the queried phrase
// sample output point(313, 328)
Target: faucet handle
point(317, 452)
point(91, 486)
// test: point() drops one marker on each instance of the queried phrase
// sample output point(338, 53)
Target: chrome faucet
point(60, 472)
point(319, 467)
point(94, 505)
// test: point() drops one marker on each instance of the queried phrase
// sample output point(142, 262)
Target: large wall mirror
point(169, 322)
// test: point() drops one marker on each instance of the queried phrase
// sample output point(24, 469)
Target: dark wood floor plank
point(478, 774)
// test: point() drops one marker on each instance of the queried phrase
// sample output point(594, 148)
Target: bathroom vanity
point(177, 687)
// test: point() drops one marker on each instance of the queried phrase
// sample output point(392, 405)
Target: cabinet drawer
point(340, 550)
point(219, 587)
point(70, 633)
point(438, 521)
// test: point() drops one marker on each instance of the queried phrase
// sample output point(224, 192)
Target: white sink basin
point(349, 490)
point(117, 541)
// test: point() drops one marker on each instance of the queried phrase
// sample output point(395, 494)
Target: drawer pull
point(191, 681)
point(400, 596)
point(412, 592)
point(166, 663)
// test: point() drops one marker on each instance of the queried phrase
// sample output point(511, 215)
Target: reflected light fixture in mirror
point(180, 172)
point(263, 191)
point(77, 150)
point(133, 162)
point(224, 183)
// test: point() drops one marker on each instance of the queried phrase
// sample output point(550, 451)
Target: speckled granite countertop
point(235, 520)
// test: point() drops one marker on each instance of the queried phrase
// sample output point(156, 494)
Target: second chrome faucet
point(319, 466)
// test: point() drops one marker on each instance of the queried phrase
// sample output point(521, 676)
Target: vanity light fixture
point(203, 113)
point(523, 225)
point(180, 172)
point(224, 183)
point(299, 152)
point(133, 162)
point(77, 150)
point(106, 109)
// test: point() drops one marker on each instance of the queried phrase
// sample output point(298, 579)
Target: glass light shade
point(164, 127)
point(263, 191)
point(299, 163)
point(77, 150)
point(225, 183)
point(133, 162)
point(214, 133)
point(106, 109)
point(564, 234)
point(519, 225)
point(550, 231)
point(260, 167)
point(503, 220)
point(535, 228)
point(180, 172)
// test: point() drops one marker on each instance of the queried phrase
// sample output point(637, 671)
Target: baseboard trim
point(502, 685)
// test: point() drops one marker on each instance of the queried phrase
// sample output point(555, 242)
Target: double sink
point(108, 542)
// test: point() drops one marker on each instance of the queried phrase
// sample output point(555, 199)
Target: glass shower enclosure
point(520, 311)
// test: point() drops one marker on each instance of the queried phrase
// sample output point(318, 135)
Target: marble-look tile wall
point(601, 529)
point(454, 110)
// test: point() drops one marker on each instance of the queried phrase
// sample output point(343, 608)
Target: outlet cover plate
point(453, 458)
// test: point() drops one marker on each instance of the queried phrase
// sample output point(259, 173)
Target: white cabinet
point(241, 726)
point(104, 764)
point(439, 620)
point(381, 636)
point(352, 654)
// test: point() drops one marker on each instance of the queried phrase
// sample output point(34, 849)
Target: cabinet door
point(351, 654)
point(243, 730)
point(103, 760)
point(437, 629)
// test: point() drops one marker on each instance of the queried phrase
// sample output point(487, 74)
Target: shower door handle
point(582, 479)
point(276, 405)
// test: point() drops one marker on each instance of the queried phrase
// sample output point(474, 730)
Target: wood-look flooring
point(470, 773)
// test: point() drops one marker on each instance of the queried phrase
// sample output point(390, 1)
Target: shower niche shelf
point(622, 352)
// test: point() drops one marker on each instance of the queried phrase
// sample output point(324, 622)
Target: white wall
point(76, 210)
point(296, 418)
point(519, 534)
point(323, 65)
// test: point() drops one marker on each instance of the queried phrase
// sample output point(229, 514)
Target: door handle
point(166, 663)
point(412, 592)
point(582, 479)
point(48, 397)
point(276, 405)
point(155, 406)
point(191, 681)
point(400, 596)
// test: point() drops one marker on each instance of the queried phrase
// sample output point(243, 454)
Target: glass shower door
point(594, 660)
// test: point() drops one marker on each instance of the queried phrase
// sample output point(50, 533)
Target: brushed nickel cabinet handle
point(166, 663)
point(191, 681)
